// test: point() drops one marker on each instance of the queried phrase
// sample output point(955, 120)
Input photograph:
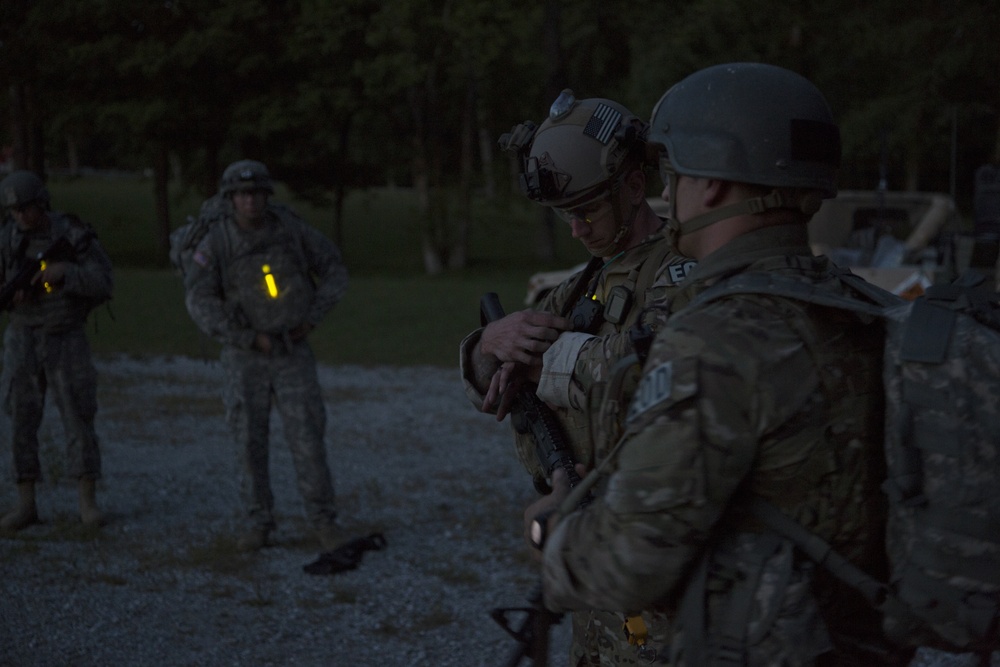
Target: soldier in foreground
point(55, 272)
point(261, 280)
point(743, 397)
point(586, 161)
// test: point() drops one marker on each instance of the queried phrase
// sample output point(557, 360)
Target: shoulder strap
point(287, 217)
point(819, 550)
point(580, 287)
point(877, 593)
point(873, 300)
point(647, 272)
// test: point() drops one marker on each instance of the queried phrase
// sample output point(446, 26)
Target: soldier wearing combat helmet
point(261, 279)
point(745, 399)
point(45, 349)
point(586, 161)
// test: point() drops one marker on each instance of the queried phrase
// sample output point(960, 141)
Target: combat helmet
point(21, 188)
point(750, 123)
point(577, 152)
point(245, 175)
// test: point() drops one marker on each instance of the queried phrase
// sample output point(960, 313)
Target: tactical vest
point(621, 294)
point(54, 310)
point(265, 273)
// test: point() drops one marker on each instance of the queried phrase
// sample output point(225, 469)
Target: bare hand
point(54, 274)
point(522, 336)
point(505, 385)
point(549, 504)
point(262, 343)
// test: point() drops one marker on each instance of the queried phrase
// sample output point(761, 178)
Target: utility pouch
point(587, 314)
point(618, 304)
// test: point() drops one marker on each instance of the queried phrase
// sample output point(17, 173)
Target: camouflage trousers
point(37, 363)
point(288, 380)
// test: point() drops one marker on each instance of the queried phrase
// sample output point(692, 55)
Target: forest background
point(380, 119)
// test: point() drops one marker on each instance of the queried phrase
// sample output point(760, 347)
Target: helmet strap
point(807, 203)
point(621, 223)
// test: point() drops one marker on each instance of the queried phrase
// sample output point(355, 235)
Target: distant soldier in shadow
point(261, 279)
point(55, 272)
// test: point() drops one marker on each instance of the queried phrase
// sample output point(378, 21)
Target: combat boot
point(89, 512)
point(330, 537)
point(254, 539)
point(25, 513)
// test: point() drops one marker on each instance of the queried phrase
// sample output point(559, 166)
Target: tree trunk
point(553, 86)
point(996, 145)
point(72, 156)
point(458, 258)
point(912, 172)
point(421, 186)
point(18, 126)
point(161, 200)
point(340, 192)
point(486, 142)
point(27, 130)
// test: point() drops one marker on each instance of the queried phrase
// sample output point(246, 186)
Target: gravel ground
point(162, 583)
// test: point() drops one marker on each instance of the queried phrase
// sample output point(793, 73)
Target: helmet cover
point(577, 152)
point(245, 175)
point(21, 188)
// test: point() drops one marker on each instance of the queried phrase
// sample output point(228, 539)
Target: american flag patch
point(603, 123)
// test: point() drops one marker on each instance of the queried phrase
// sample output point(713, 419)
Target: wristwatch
point(538, 532)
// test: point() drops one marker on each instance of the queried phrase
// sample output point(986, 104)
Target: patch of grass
point(433, 619)
point(458, 576)
point(22, 549)
point(219, 556)
point(222, 592)
point(262, 594)
point(109, 579)
point(403, 321)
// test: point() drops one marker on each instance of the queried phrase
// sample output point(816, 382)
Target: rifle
point(531, 415)
point(60, 249)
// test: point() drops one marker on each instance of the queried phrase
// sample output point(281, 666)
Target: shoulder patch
point(678, 271)
point(201, 258)
point(654, 388)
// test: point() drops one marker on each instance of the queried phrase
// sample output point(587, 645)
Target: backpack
point(186, 238)
point(942, 446)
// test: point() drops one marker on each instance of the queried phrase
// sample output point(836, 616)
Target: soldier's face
point(28, 217)
point(249, 207)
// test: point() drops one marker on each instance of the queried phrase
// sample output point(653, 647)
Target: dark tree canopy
point(355, 93)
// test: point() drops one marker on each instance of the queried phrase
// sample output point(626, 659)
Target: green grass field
point(393, 312)
point(395, 320)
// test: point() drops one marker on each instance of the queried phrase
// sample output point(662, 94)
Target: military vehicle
point(900, 241)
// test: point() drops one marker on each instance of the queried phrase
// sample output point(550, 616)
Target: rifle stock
point(531, 415)
point(61, 248)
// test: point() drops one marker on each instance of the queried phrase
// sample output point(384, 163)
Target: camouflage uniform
point(227, 298)
point(45, 347)
point(575, 371)
point(743, 396)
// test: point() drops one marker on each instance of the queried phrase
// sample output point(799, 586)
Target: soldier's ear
point(635, 186)
point(715, 192)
